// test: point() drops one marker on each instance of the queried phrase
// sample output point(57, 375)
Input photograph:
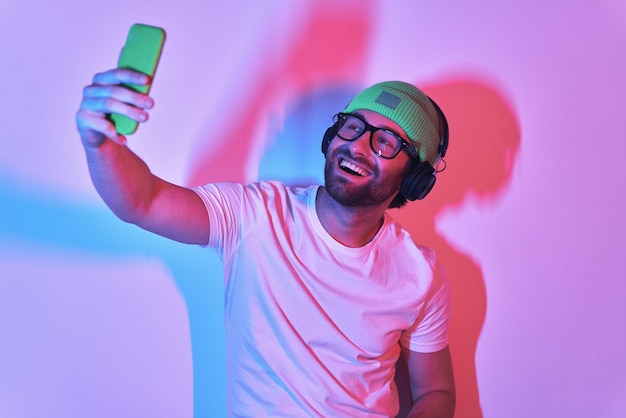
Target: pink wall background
point(100, 319)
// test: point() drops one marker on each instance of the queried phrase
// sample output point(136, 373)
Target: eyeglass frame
point(404, 144)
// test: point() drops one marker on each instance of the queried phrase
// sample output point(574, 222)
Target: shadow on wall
point(40, 220)
point(312, 61)
point(484, 142)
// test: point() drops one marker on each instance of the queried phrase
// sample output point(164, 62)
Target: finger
point(120, 76)
point(94, 129)
point(120, 93)
point(106, 105)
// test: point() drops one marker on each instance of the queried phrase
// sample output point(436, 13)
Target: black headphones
point(421, 179)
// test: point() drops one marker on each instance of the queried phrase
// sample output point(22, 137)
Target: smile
point(352, 168)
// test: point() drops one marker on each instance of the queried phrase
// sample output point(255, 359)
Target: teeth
point(353, 168)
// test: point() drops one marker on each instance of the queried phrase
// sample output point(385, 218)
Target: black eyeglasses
point(385, 143)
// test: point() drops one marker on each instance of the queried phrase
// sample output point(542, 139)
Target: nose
point(361, 145)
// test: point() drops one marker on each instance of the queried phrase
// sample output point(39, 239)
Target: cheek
point(399, 177)
point(331, 147)
point(399, 167)
point(397, 173)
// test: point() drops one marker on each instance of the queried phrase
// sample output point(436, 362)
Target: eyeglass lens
point(384, 143)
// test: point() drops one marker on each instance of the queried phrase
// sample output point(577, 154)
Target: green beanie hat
point(407, 106)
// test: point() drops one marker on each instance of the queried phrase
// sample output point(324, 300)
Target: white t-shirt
point(312, 326)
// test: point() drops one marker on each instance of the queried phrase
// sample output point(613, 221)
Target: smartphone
point(141, 52)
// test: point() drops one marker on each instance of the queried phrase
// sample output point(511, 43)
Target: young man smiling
point(324, 289)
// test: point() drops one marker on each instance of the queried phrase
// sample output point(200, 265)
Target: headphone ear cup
point(328, 136)
point(419, 182)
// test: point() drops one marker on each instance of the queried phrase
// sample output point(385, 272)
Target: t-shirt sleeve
point(429, 333)
point(223, 202)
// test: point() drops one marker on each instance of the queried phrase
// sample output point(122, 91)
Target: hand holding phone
point(141, 53)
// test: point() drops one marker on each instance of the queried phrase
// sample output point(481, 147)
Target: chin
point(355, 195)
point(352, 191)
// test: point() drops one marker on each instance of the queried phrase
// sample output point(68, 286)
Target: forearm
point(436, 404)
point(122, 179)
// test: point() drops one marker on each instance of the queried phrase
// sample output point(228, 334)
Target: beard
point(362, 194)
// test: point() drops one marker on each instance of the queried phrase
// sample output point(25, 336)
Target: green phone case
point(141, 52)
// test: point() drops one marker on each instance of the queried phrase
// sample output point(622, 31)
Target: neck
point(350, 226)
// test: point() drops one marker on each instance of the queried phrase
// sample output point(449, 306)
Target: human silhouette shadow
point(484, 143)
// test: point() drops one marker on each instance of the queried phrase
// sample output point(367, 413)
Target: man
point(324, 290)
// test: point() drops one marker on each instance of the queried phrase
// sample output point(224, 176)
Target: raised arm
point(122, 179)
